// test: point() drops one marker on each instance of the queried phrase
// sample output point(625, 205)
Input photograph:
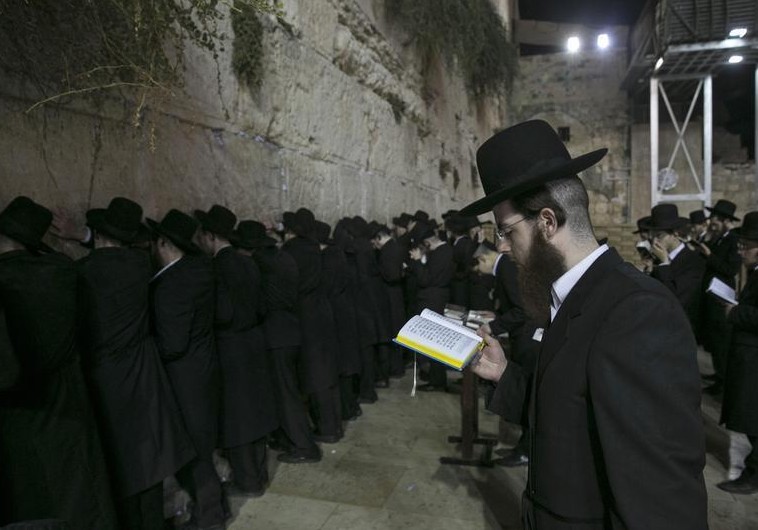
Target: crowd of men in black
point(686, 254)
point(174, 339)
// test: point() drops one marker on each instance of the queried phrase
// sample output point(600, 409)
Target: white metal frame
point(705, 85)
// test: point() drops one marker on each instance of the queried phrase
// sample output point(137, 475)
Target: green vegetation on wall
point(76, 47)
point(467, 33)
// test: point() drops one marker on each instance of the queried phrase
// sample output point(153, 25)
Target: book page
point(723, 291)
point(439, 337)
point(459, 328)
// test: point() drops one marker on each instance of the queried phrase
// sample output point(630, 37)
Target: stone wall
point(342, 123)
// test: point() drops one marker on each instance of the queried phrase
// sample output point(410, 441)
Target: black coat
point(463, 256)
point(319, 346)
point(617, 439)
point(336, 286)
point(142, 429)
point(280, 282)
point(363, 263)
point(724, 263)
point(433, 279)
point(740, 409)
point(248, 404)
point(482, 291)
point(183, 300)
point(391, 258)
point(684, 277)
point(51, 462)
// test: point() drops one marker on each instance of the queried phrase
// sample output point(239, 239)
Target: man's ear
point(547, 222)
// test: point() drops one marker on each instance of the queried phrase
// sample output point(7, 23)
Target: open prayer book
point(722, 291)
point(441, 339)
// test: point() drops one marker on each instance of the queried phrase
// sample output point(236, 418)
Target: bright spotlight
point(573, 44)
point(603, 41)
point(738, 33)
point(658, 63)
point(735, 59)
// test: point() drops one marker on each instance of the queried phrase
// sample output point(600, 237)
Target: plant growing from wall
point(77, 47)
point(467, 33)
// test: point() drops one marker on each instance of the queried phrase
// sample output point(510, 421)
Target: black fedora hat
point(723, 208)
point(322, 231)
point(27, 222)
point(218, 220)
point(304, 223)
point(402, 220)
point(697, 217)
point(521, 158)
point(179, 228)
point(252, 235)
point(121, 220)
point(665, 217)
point(749, 228)
point(642, 224)
point(420, 215)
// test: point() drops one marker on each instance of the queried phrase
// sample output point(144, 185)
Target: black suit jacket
point(183, 301)
point(248, 405)
point(463, 256)
point(740, 409)
point(433, 279)
point(617, 439)
point(724, 262)
point(391, 258)
point(51, 461)
point(684, 277)
point(141, 427)
point(280, 283)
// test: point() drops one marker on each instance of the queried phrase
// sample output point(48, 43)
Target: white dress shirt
point(563, 285)
point(494, 267)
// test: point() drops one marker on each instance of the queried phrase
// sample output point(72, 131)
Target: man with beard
point(722, 261)
point(248, 406)
point(617, 439)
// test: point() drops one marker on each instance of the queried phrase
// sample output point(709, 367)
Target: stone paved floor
point(385, 474)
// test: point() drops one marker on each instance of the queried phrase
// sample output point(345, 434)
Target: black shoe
point(356, 414)
point(327, 438)
point(232, 490)
point(382, 384)
point(367, 401)
point(746, 484)
point(512, 458)
point(709, 377)
point(428, 387)
point(716, 389)
point(295, 457)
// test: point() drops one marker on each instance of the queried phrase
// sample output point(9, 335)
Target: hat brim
point(16, 233)
point(263, 242)
point(746, 234)
point(528, 181)
point(721, 213)
point(644, 225)
point(184, 245)
point(96, 221)
point(672, 225)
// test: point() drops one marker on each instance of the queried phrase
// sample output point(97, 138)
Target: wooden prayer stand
point(470, 428)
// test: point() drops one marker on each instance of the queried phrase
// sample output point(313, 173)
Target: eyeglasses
point(504, 233)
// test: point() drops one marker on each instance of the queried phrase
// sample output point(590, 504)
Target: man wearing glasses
point(617, 438)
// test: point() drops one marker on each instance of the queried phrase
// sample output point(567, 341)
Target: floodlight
point(573, 44)
point(738, 33)
point(658, 63)
point(735, 59)
point(603, 41)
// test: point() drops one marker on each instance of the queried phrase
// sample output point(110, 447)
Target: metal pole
point(755, 150)
point(707, 137)
point(653, 141)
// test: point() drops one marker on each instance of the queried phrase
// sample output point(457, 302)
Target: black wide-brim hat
point(122, 220)
point(179, 228)
point(27, 222)
point(642, 224)
point(665, 217)
point(521, 158)
point(749, 228)
point(724, 208)
point(251, 235)
point(218, 220)
point(697, 217)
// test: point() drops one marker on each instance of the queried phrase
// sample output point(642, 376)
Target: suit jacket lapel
point(560, 329)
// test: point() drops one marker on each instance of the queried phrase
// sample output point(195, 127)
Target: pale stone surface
point(339, 125)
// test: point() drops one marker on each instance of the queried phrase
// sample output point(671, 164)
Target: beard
point(542, 266)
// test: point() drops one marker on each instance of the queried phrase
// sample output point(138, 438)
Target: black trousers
point(325, 411)
point(397, 363)
point(348, 397)
point(716, 335)
point(200, 480)
point(143, 510)
point(293, 414)
point(248, 463)
point(368, 374)
point(437, 374)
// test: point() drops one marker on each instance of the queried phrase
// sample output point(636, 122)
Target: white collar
point(164, 269)
point(674, 253)
point(494, 267)
point(458, 239)
point(563, 285)
point(222, 248)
